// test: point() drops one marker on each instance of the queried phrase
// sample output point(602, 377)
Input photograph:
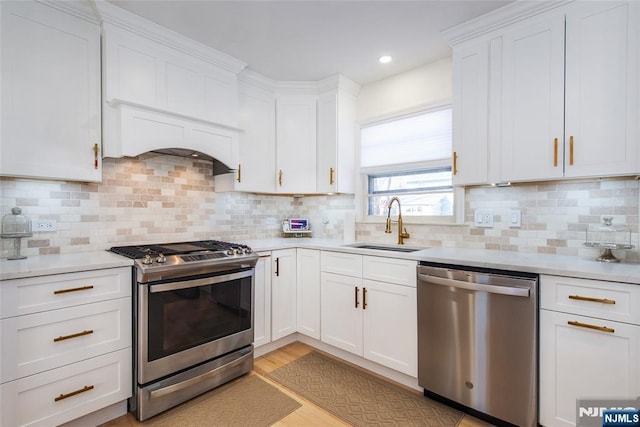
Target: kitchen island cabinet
point(589, 344)
point(66, 345)
point(51, 126)
point(369, 317)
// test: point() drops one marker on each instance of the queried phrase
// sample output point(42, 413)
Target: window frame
point(362, 195)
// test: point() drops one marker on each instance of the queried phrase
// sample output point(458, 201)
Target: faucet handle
point(405, 234)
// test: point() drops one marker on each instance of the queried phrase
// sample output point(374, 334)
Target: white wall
point(426, 85)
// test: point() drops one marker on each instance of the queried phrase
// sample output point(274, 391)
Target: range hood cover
point(219, 168)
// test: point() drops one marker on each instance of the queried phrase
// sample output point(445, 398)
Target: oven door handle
point(200, 378)
point(173, 286)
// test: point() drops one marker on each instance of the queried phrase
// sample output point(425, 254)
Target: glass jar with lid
point(608, 237)
point(15, 226)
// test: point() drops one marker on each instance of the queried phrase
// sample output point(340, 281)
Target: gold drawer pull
point(590, 299)
point(73, 393)
point(571, 150)
point(588, 326)
point(455, 163)
point(331, 172)
point(555, 152)
point(64, 291)
point(68, 337)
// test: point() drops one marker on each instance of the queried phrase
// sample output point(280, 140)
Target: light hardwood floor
point(308, 415)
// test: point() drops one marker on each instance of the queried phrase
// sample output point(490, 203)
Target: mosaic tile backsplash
point(158, 198)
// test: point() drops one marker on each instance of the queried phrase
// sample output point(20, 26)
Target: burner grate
point(179, 248)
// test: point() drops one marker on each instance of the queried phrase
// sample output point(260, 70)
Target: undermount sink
point(382, 247)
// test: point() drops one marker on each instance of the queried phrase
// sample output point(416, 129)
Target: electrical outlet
point(42, 225)
point(483, 218)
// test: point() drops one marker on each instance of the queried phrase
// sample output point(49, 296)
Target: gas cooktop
point(179, 259)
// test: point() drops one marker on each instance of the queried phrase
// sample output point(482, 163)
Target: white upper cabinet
point(256, 166)
point(51, 124)
point(547, 90)
point(602, 88)
point(336, 138)
point(533, 100)
point(470, 112)
point(570, 108)
point(296, 143)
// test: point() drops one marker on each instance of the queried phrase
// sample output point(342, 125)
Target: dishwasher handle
point(472, 286)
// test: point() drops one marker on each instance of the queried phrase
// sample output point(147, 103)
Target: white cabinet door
point(308, 292)
point(341, 312)
point(283, 293)
point(262, 301)
point(336, 142)
point(296, 144)
point(602, 88)
point(470, 113)
point(533, 100)
point(581, 362)
point(50, 93)
point(390, 326)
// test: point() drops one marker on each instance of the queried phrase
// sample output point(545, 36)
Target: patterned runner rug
point(246, 401)
point(359, 398)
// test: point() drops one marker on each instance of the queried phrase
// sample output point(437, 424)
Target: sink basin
point(381, 247)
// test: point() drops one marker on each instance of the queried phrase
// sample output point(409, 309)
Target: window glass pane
point(416, 138)
point(427, 204)
point(429, 180)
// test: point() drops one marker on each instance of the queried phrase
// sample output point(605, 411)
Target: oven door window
point(179, 319)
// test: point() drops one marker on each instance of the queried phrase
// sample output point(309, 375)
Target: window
point(409, 158)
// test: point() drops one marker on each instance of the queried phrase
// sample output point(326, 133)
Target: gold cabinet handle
point(455, 163)
point(555, 152)
point(73, 393)
point(331, 172)
point(76, 335)
point(364, 298)
point(277, 267)
point(590, 299)
point(571, 150)
point(64, 291)
point(588, 326)
point(280, 177)
point(239, 178)
point(96, 150)
point(356, 297)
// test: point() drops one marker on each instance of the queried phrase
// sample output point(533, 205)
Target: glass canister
point(608, 237)
point(15, 226)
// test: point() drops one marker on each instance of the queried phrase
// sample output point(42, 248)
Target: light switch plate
point(483, 218)
point(515, 218)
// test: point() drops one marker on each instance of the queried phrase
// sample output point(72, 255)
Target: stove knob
point(147, 260)
point(239, 251)
point(161, 259)
point(248, 250)
point(230, 251)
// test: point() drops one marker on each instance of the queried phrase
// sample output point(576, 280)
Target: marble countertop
point(514, 261)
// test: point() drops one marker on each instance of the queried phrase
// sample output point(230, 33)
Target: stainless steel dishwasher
point(477, 341)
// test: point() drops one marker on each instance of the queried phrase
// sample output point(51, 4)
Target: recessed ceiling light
point(385, 59)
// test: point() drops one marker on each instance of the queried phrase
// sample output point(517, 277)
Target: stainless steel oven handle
point(172, 286)
point(503, 290)
point(200, 378)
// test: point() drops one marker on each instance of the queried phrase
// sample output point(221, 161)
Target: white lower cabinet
point(308, 292)
point(586, 356)
point(65, 346)
point(262, 301)
point(283, 293)
point(373, 319)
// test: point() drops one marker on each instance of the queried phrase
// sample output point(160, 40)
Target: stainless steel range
point(193, 320)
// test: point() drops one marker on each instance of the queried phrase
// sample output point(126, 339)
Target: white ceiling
point(313, 39)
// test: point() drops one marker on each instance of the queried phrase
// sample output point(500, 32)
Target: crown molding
point(500, 18)
point(339, 82)
point(79, 8)
point(253, 78)
point(113, 15)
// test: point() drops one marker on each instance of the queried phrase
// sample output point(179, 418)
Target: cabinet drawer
point(43, 341)
point(595, 298)
point(80, 388)
point(341, 263)
point(390, 270)
point(35, 294)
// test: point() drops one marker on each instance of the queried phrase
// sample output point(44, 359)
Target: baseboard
point(99, 417)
